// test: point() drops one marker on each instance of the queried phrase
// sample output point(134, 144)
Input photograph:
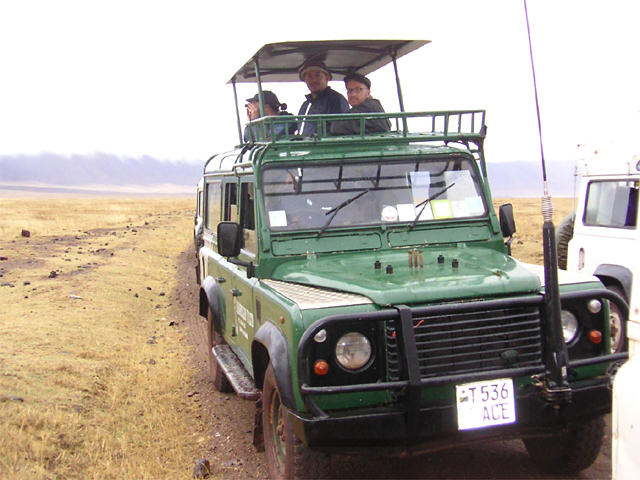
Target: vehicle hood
point(481, 272)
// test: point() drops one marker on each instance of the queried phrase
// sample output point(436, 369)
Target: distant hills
point(105, 173)
point(524, 179)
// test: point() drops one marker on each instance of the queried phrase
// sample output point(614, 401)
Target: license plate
point(485, 404)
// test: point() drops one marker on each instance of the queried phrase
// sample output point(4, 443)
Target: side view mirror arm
point(251, 270)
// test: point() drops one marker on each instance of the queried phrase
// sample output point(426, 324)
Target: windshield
point(353, 194)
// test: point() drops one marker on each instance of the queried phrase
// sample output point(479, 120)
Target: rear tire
point(217, 376)
point(563, 235)
point(570, 451)
point(617, 324)
point(287, 456)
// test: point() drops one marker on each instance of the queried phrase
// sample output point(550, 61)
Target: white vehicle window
point(212, 215)
point(612, 203)
point(371, 193)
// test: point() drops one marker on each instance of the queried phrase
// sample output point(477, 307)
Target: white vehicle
point(625, 422)
point(602, 237)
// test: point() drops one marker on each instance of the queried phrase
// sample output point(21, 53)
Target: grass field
point(95, 382)
point(93, 379)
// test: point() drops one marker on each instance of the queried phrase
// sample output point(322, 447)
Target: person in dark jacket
point(361, 101)
point(272, 107)
point(322, 99)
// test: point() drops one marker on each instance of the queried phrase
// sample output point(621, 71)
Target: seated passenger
point(322, 99)
point(359, 96)
point(272, 107)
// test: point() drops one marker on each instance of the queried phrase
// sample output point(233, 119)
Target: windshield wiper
point(334, 211)
point(426, 202)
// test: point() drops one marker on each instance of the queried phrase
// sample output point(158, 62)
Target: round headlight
point(569, 326)
point(353, 351)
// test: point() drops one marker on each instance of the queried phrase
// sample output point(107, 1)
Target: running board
point(235, 372)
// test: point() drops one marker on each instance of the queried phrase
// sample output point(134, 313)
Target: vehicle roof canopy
point(280, 62)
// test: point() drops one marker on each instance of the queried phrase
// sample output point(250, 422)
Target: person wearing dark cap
point(322, 99)
point(359, 97)
point(272, 108)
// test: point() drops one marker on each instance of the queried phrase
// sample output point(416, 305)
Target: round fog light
point(569, 326)
point(594, 306)
point(353, 351)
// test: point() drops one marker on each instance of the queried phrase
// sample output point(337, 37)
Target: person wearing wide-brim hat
point(359, 96)
point(322, 99)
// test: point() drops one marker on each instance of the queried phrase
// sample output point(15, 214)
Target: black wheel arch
point(615, 275)
point(270, 345)
point(212, 298)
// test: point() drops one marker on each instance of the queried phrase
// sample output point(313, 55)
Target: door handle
point(235, 292)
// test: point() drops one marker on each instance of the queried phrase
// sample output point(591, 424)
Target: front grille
point(469, 342)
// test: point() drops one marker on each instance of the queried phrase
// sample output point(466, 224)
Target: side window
point(230, 213)
point(247, 217)
point(212, 207)
point(612, 203)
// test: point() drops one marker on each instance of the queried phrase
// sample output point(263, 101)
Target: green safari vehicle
point(360, 290)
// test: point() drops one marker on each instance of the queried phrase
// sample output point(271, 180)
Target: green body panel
point(481, 272)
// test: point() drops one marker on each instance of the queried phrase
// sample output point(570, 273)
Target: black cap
point(269, 99)
point(358, 78)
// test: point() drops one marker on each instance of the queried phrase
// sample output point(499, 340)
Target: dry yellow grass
point(66, 215)
point(527, 242)
point(93, 379)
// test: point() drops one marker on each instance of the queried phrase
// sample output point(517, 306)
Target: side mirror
point(229, 239)
point(507, 224)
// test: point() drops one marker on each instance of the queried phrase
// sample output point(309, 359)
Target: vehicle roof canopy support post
point(235, 98)
point(259, 81)
point(393, 53)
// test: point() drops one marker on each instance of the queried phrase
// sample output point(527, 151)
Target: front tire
point(287, 456)
point(617, 324)
point(570, 451)
point(564, 234)
point(217, 376)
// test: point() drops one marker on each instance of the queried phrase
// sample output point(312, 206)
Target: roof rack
point(447, 126)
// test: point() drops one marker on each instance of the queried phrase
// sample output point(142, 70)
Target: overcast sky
point(140, 78)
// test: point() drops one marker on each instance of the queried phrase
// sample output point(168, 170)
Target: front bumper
point(433, 428)
point(542, 408)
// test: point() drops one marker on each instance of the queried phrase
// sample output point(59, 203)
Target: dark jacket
point(329, 101)
point(279, 129)
point(350, 127)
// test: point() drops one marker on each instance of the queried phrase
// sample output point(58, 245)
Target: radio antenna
point(557, 358)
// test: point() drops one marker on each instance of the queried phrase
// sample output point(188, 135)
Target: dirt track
point(233, 456)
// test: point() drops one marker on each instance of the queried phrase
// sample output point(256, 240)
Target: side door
point(241, 285)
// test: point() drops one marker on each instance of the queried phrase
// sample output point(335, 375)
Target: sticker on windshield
point(462, 185)
point(459, 208)
point(277, 218)
point(468, 207)
point(389, 214)
point(441, 209)
point(474, 205)
point(406, 212)
point(420, 182)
